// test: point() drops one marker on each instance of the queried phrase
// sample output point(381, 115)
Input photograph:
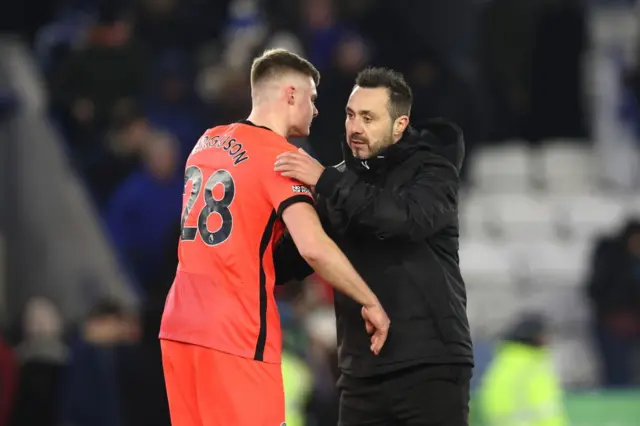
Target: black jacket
point(613, 286)
point(396, 219)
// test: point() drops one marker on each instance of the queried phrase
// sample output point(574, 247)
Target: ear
point(400, 125)
point(290, 92)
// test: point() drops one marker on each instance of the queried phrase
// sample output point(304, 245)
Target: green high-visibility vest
point(520, 388)
point(298, 382)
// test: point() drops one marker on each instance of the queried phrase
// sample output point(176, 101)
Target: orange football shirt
point(222, 296)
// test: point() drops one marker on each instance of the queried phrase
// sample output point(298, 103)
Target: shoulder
point(433, 164)
point(216, 130)
point(279, 144)
point(260, 138)
point(271, 146)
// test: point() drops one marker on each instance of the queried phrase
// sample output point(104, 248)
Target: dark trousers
point(417, 396)
point(617, 354)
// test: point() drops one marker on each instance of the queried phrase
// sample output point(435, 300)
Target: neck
point(268, 116)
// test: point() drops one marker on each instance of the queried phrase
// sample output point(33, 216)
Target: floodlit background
point(101, 101)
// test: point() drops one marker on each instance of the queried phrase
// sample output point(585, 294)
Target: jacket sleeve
point(414, 211)
point(289, 265)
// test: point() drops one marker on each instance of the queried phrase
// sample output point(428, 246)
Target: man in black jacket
point(392, 207)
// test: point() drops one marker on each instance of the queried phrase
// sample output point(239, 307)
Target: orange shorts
point(206, 387)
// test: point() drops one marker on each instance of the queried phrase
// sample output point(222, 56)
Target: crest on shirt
point(301, 189)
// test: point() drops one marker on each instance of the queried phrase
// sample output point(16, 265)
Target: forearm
point(333, 266)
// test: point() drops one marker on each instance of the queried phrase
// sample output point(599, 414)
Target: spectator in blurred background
point(94, 388)
point(114, 376)
point(143, 210)
point(43, 356)
point(8, 380)
point(297, 377)
point(351, 54)
point(614, 290)
point(392, 207)
point(322, 405)
point(309, 330)
point(94, 83)
point(439, 91)
point(161, 25)
point(321, 31)
point(142, 388)
point(521, 387)
point(507, 42)
point(556, 72)
point(171, 104)
point(630, 109)
point(113, 160)
point(297, 382)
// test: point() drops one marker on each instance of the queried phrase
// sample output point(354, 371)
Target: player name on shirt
point(227, 143)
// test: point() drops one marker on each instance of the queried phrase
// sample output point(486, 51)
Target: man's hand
point(300, 166)
point(377, 322)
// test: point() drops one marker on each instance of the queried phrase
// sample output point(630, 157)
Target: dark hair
point(275, 61)
point(400, 96)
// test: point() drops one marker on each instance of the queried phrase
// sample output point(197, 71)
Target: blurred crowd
point(132, 86)
point(614, 290)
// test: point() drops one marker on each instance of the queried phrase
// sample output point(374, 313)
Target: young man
point(220, 331)
point(391, 206)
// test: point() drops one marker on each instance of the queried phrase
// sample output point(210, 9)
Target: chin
point(359, 154)
point(300, 132)
point(293, 133)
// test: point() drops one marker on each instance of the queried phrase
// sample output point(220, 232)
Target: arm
point(323, 255)
point(293, 202)
point(413, 212)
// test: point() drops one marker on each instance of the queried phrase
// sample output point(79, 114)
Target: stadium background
point(101, 102)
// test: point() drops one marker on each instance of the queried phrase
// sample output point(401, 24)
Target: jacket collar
point(438, 136)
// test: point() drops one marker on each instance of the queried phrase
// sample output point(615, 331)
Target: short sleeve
point(283, 191)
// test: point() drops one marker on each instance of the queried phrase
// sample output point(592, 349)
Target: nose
point(354, 126)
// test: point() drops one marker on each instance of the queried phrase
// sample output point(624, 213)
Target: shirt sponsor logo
point(301, 189)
